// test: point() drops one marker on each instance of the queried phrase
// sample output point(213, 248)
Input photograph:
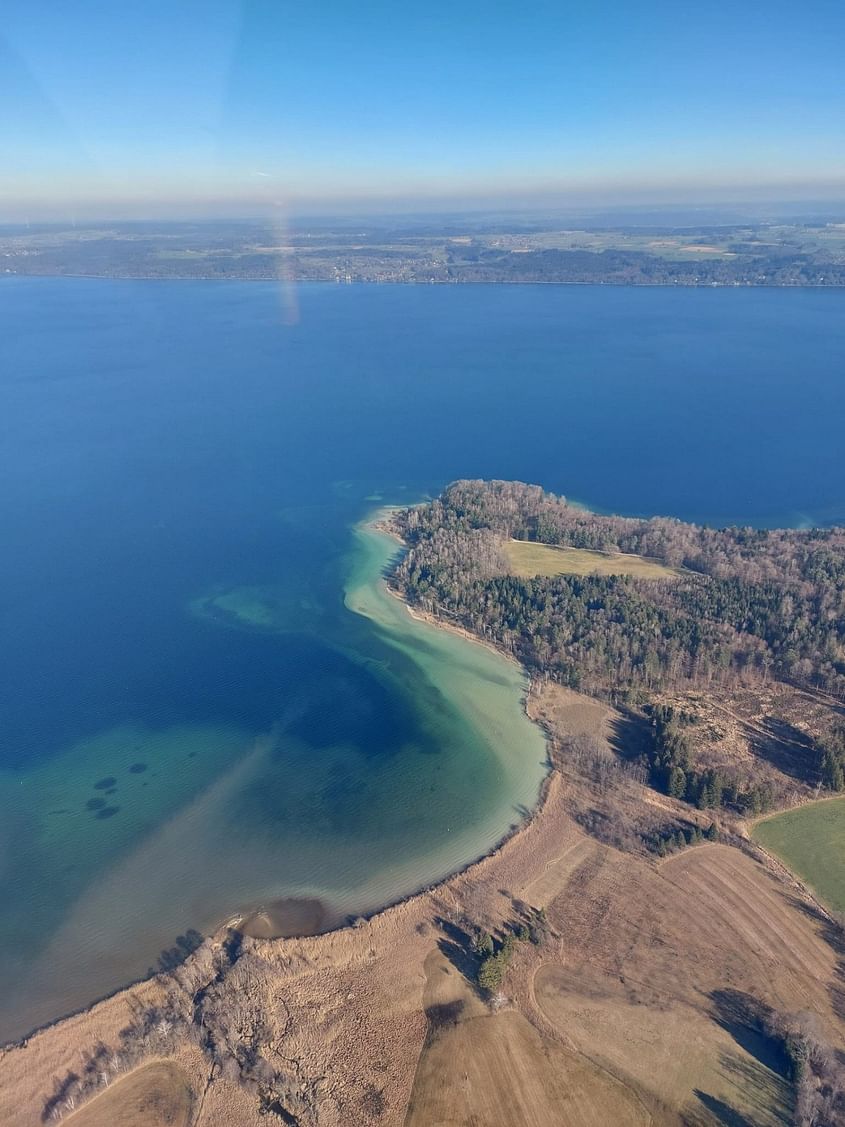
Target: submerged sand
point(109, 936)
point(587, 1030)
point(285, 918)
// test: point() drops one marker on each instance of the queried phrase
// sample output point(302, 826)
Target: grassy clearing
point(157, 1095)
point(529, 559)
point(811, 842)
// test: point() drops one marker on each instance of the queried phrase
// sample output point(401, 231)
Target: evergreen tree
point(484, 943)
point(677, 782)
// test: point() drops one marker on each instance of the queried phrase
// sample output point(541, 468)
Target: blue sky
point(225, 105)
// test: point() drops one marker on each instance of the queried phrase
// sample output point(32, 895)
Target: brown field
point(529, 559)
point(157, 1095)
point(655, 998)
point(632, 1011)
point(675, 1052)
point(497, 1070)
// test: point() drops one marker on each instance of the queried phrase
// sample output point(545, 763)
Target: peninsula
point(631, 954)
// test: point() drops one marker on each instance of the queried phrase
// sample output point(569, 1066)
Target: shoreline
point(235, 921)
point(441, 282)
point(353, 1010)
point(375, 524)
point(773, 861)
point(517, 862)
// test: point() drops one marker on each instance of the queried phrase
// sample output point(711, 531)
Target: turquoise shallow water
point(407, 760)
point(203, 686)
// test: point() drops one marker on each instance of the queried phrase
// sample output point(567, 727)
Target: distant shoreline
point(598, 284)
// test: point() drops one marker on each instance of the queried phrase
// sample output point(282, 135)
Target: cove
point(310, 810)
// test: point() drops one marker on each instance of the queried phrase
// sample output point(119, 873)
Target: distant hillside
point(783, 254)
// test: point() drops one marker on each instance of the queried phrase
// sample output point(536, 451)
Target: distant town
point(804, 251)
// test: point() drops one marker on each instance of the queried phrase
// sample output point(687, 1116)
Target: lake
point(208, 702)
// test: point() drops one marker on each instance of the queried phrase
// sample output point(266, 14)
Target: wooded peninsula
point(635, 952)
point(727, 611)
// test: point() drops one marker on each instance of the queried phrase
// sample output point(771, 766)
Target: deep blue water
point(151, 432)
point(163, 440)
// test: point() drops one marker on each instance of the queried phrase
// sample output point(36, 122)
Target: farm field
point(529, 559)
point(478, 1067)
point(642, 1004)
point(689, 1063)
point(157, 1095)
point(644, 1022)
point(658, 999)
point(810, 842)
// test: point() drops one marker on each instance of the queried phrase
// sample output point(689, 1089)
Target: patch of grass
point(529, 559)
point(811, 842)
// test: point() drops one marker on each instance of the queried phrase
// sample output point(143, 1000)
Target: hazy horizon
point(541, 211)
point(233, 109)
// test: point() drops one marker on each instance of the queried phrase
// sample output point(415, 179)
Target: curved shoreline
point(233, 920)
point(350, 1003)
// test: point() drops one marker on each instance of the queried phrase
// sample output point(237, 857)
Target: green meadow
point(811, 842)
point(529, 559)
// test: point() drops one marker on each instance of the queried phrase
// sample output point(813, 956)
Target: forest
point(748, 603)
point(744, 607)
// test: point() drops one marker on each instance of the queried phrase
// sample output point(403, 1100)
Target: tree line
point(831, 759)
point(672, 770)
point(744, 606)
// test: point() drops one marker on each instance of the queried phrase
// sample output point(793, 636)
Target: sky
point(232, 106)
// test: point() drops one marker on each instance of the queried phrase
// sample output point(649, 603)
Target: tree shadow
point(837, 994)
point(172, 957)
point(444, 1015)
point(456, 945)
point(829, 930)
point(273, 1106)
point(62, 1089)
point(785, 747)
point(762, 1088)
point(744, 1017)
point(631, 735)
point(833, 935)
point(723, 1112)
